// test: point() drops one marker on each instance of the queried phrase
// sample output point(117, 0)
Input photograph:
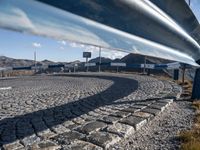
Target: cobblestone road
point(87, 111)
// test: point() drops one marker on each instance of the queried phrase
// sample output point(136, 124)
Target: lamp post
point(87, 55)
point(35, 60)
point(99, 59)
point(87, 64)
point(144, 69)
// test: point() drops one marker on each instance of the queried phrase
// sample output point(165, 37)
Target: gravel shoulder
point(162, 132)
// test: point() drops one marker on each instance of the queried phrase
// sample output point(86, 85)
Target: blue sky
point(195, 6)
point(22, 46)
point(18, 45)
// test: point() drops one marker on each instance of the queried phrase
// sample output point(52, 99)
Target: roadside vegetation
point(187, 88)
point(191, 139)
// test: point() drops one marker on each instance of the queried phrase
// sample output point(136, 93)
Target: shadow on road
point(22, 126)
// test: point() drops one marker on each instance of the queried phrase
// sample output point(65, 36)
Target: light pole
point(87, 55)
point(35, 60)
point(87, 64)
point(99, 59)
point(144, 69)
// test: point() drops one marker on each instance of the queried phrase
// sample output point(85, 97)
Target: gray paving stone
point(101, 112)
point(89, 118)
point(146, 103)
point(110, 119)
point(60, 129)
point(92, 113)
point(79, 120)
point(44, 145)
point(166, 100)
point(8, 134)
point(45, 134)
point(29, 140)
point(151, 111)
point(82, 145)
point(161, 104)
point(145, 115)
point(72, 126)
point(91, 127)
point(136, 122)
point(157, 106)
point(131, 109)
point(121, 114)
point(122, 130)
point(139, 106)
point(13, 146)
point(68, 137)
point(67, 123)
point(103, 139)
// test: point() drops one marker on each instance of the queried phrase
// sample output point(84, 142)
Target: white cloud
point(62, 42)
point(78, 45)
point(62, 48)
point(15, 19)
point(37, 45)
point(92, 49)
point(113, 54)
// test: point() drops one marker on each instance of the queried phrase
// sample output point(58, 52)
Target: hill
point(103, 60)
point(11, 62)
point(139, 59)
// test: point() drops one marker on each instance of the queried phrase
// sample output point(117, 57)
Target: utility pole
point(144, 69)
point(35, 60)
point(87, 64)
point(99, 59)
point(87, 55)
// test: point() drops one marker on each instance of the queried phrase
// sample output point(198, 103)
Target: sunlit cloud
point(113, 54)
point(7, 19)
point(62, 42)
point(77, 45)
point(37, 45)
point(62, 48)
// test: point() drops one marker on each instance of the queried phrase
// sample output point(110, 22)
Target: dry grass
point(165, 77)
point(196, 105)
point(19, 73)
point(187, 87)
point(191, 139)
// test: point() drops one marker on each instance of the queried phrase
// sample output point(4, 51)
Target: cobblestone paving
point(78, 111)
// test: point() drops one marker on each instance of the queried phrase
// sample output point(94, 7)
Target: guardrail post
point(176, 74)
point(196, 85)
point(148, 72)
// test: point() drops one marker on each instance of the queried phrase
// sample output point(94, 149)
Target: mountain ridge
point(129, 59)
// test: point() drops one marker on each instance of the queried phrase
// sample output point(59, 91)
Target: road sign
point(175, 65)
point(87, 54)
point(149, 66)
point(118, 64)
point(90, 64)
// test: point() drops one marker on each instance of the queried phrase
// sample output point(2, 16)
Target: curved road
point(40, 108)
